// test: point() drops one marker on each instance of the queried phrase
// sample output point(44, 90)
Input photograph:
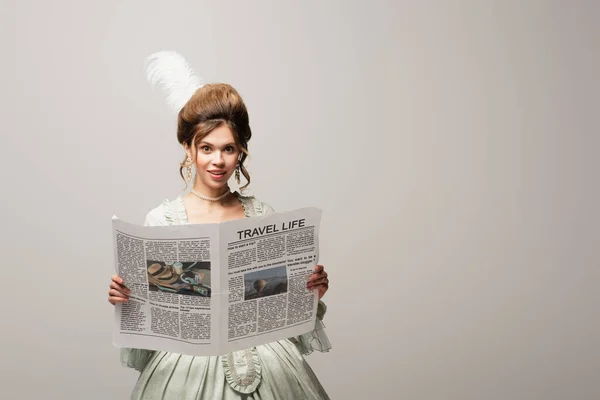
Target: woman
point(213, 128)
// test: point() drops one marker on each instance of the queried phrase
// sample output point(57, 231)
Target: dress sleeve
point(267, 209)
point(135, 358)
point(138, 358)
point(317, 339)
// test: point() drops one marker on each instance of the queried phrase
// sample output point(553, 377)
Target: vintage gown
point(274, 371)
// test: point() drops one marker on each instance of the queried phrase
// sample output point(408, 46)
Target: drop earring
point(237, 174)
point(188, 169)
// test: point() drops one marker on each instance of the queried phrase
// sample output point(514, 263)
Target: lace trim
point(248, 204)
point(317, 339)
point(175, 212)
point(243, 370)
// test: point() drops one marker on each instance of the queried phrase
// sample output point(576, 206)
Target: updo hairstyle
point(210, 107)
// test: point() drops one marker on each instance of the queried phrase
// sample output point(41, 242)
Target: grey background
point(451, 144)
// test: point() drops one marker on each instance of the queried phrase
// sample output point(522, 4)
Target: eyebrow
point(210, 144)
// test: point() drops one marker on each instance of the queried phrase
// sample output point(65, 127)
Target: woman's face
point(216, 157)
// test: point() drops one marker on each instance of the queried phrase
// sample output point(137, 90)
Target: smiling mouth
point(215, 173)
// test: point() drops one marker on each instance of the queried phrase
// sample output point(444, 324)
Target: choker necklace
point(210, 198)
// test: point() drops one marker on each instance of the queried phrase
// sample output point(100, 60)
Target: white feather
point(170, 71)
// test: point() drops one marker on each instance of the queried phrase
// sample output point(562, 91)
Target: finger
point(321, 289)
point(119, 281)
point(317, 275)
point(116, 293)
point(113, 300)
point(322, 281)
point(319, 272)
point(120, 288)
point(319, 268)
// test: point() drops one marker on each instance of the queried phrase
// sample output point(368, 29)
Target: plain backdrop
point(452, 146)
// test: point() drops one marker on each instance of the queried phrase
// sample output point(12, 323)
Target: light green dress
point(273, 371)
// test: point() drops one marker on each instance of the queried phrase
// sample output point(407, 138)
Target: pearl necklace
point(210, 198)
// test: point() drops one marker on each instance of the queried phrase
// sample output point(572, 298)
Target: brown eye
point(229, 149)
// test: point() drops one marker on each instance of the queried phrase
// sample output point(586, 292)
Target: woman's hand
point(318, 280)
point(117, 293)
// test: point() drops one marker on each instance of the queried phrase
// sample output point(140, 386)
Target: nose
point(218, 160)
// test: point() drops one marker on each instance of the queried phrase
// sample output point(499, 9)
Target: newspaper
point(209, 289)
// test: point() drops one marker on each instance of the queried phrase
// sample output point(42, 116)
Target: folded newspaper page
point(208, 289)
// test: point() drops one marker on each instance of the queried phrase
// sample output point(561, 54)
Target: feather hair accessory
point(170, 71)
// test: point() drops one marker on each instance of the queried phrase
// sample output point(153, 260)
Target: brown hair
point(210, 107)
